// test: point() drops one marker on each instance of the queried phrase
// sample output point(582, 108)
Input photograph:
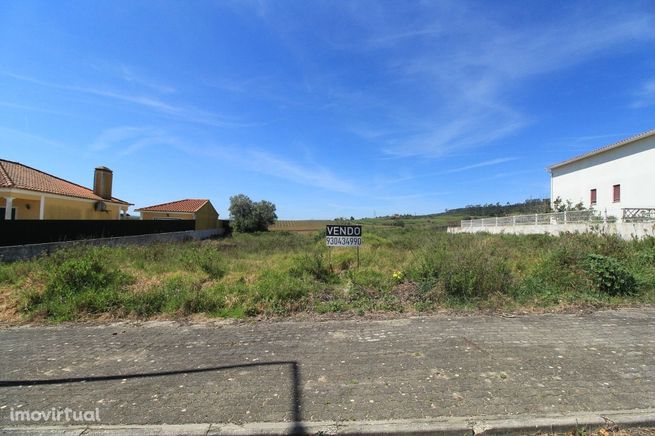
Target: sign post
point(343, 235)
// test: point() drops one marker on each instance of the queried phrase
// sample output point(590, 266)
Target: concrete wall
point(631, 166)
point(624, 230)
point(22, 252)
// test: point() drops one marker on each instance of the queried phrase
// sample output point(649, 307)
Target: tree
point(248, 216)
point(264, 214)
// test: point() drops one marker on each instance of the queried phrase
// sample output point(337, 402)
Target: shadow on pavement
point(296, 399)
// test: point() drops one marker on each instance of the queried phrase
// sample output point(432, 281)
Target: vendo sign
point(343, 235)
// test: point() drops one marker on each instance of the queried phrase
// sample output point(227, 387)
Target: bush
point(79, 285)
point(179, 293)
point(466, 273)
point(313, 265)
point(208, 259)
point(278, 292)
point(610, 276)
point(475, 276)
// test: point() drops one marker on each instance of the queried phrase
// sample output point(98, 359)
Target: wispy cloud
point(131, 75)
point(30, 108)
point(13, 137)
point(645, 96)
point(180, 112)
point(469, 66)
point(264, 162)
point(127, 140)
point(411, 196)
point(486, 163)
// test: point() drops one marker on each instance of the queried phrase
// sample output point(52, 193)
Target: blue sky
point(326, 108)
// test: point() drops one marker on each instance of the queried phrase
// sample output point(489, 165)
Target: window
point(593, 197)
point(617, 193)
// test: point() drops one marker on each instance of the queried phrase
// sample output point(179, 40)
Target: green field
point(407, 265)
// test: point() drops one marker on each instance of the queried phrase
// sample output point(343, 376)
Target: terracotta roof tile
point(187, 205)
point(19, 176)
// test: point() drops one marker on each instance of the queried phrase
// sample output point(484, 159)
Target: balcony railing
point(638, 214)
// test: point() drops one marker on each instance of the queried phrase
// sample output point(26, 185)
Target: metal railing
point(568, 217)
point(638, 214)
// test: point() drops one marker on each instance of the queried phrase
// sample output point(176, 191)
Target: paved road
point(439, 366)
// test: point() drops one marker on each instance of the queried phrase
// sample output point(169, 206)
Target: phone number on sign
point(343, 241)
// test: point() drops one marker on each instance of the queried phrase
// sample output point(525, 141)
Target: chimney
point(102, 182)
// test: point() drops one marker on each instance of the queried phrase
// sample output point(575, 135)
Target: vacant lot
point(404, 268)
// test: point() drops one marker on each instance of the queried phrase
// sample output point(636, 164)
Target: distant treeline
point(539, 205)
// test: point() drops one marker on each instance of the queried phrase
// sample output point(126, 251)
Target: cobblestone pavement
point(426, 367)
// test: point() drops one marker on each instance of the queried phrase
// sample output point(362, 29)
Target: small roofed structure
point(199, 210)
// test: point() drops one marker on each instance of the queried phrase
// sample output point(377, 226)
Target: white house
point(611, 178)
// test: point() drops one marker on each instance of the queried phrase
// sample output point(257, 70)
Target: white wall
point(627, 231)
point(632, 166)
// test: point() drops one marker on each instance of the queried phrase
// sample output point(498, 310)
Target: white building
point(611, 178)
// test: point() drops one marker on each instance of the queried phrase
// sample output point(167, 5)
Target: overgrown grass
point(403, 269)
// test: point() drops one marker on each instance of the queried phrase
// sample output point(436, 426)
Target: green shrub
point(208, 259)
point(464, 272)
point(180, 293)
point(474, 276)
point(313, 265)
point(275, 286)
point(202, 301)
point(375, 240)
point(610, 276)
point(561, 269)
point(77, 286)
point(370, 277)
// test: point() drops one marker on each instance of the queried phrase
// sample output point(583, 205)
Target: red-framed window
point(616, 193)
point(593, 196)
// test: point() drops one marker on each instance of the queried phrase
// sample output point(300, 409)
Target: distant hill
point(540, 205)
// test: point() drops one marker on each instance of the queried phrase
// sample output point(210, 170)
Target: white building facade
point(612, 178)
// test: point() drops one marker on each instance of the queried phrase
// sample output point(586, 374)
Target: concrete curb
point(486, 425)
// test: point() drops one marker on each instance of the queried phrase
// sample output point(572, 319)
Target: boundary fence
point(537, 219)
point(21, 232)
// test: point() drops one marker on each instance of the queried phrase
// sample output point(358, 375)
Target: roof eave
point(624, 142)
point(164, 211)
